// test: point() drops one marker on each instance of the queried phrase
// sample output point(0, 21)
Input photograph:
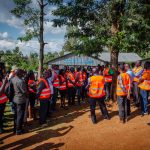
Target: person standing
point(123, 93)
point(55, 81)
point(137, 70)
point(3, 101)
point(96, 93)
point(43, 96)
point(79, 84)
point(108, 81)
point(71, 87)
point(20, 98)
point(131, 74)
point(144, 85)
point(32, 94)
point(62, 87)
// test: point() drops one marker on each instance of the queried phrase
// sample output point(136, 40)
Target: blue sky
point(11, 28)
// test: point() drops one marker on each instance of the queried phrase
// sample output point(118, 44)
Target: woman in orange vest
point(123, 93)
point(32, 94)
point(3, 100)
point(71, 87)
point(144, 86)
point(62, 87)
point(96, 93)
point(43, 95)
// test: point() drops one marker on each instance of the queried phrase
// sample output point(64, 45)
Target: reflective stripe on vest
point(96, 89)
point(80, 81)
point(3, 99)
point(46, 92)
point(71, 77)
point(135, 71)
point(126, 84)
point(145, 85)
point(63, 86)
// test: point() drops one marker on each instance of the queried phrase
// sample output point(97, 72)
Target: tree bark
point(114, 62)
point(41, 39)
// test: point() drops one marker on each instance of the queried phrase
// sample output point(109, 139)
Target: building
point(72, 59)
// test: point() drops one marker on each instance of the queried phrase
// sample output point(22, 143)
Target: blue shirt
point(131, 74)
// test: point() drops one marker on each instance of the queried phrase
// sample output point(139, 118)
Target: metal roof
point(74, 59)
point(123, 57)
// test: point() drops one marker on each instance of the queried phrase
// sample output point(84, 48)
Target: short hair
point(147, 65)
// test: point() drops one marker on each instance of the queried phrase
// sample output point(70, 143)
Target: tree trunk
point(41, 39)
point(114, 62)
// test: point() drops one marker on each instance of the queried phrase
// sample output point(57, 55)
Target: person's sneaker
point(107, 117)
point(146, 113)
point(93, 118)
point(122, 121)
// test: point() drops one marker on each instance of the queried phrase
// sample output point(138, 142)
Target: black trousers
point(43, 110)
point(19, 116)
point(71, 95)
point(102, 106)
point(2, 108)
point(136, 92)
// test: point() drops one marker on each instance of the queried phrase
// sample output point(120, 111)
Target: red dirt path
point(73, 130)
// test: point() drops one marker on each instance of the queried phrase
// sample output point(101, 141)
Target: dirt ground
point(72, 129)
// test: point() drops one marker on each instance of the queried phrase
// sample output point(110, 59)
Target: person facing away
point(123, 93)
point(20, 98)
point(96, 93)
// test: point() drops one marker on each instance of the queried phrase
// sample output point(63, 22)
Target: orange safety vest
point(29, 88)
point(84, 76)
point(96, 89)
point(145, 85)
point(108, 78)
point(63, 86)
point(126, 83)
point(80, 81)
point(56, 80)
point(3, 97)
point(71, 77)
point(46, 92)
point(135, 71)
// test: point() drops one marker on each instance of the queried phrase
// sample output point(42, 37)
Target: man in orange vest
point(123, 93)
point(79, 83)
point(43, 95)
point(3, 100)
point(96, 93)
point(108, 81)
point(137, 70)
point(71, 87)
point(144, 85)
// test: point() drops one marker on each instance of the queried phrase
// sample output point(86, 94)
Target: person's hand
point(128, 96)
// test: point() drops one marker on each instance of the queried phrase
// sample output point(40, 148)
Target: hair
point(61, 72)
point(147, 65)
point(121, 67)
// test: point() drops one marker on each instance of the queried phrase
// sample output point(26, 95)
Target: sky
point(11, 28)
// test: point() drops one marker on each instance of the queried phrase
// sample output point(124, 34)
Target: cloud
point(3, 35)
point(31, 46)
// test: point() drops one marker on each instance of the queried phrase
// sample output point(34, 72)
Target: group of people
point(23, 91)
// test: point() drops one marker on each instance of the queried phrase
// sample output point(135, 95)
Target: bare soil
point(72, 129)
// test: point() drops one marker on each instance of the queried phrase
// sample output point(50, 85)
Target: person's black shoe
point(107, 117)
point(2, 130)
point(93, 118)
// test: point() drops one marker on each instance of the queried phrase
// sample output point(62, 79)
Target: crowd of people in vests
point(74, 86)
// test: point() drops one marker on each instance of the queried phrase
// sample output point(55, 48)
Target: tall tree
point(120, 25)
point(34, 21)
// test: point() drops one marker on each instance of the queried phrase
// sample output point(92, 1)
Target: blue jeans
point(122, 104)
point(108, 90)
point(144, 101)
point(54, 99)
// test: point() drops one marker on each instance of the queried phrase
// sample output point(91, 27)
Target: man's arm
point(39, 89)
